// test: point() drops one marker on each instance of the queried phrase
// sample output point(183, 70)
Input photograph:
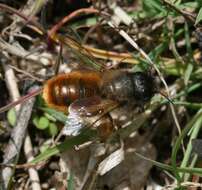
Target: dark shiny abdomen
point(135, 87)
point(119, 88)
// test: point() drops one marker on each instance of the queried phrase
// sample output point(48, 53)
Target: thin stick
point(74, 14)
point(26, 73)
point(187, 15)
point(20, 100)
point(26, 18)
point(18, 133)
point(13, 148)
point(33, 174)
point(23, 166)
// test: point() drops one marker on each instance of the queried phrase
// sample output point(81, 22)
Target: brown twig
point(26, 73)
point(69, 17)
point(187, 15)
point(23, 166)
point(20, 100)
point(26, 18)
point(22, 53)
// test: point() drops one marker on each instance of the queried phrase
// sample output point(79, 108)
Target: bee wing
point(73, 125)
point(89, 107)
point(85, 55)
point(85, 112)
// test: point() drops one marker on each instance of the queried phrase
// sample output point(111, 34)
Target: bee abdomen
point(64, 93)
point(120, 88)
point(62, 90)
point(136, 87)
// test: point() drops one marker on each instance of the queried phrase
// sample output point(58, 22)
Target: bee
point(60, 91)
point(88, 96)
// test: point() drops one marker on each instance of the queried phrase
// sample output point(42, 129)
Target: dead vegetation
point(155, 145)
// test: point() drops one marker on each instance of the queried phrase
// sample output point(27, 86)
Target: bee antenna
point(167, 98)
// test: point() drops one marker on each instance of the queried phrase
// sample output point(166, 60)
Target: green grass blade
point(56, 114)
point(197, 171)
point(196, 127)
point(190, 65)
point(178, 143)
point(67, 144)
point(199, 17)
point(70, 182)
